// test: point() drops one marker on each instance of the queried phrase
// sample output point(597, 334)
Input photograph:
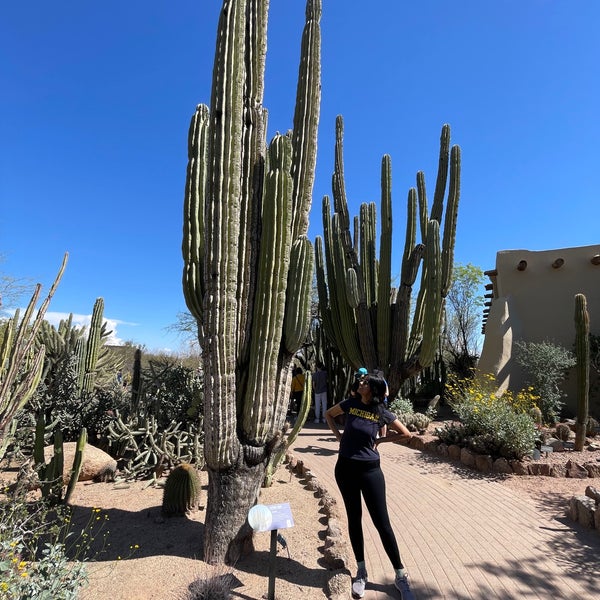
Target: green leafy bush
point(401, 406)
point(545, 365)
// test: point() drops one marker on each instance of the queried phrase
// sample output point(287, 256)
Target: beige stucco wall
point(537, 304)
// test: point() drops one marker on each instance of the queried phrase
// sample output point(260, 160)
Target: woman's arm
point(330, 415)
point(397, 432)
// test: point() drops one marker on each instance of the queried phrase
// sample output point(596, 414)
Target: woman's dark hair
point(378, 387)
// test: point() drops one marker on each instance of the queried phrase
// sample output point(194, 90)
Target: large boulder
point(96, 465)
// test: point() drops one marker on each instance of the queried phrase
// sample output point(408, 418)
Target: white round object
point(260, 517)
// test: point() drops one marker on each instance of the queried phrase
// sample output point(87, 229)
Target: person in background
point(319, 382)
point(297, 390)
point(359, 476)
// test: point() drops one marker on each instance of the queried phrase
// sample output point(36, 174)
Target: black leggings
point(356, 477)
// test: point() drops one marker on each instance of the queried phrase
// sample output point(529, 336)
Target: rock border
point(336, 551)
point(487, 464)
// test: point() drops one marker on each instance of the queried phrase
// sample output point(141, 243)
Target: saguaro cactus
point(363, 315)
point(582, 354)
point(247, 261)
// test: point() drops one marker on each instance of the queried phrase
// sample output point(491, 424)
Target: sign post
point(271, 517)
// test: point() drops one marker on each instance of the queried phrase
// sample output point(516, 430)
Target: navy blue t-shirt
point(361, 429)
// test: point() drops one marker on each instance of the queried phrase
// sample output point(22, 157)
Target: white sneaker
point(359, 583)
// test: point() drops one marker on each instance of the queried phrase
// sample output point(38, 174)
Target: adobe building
point(531, 298)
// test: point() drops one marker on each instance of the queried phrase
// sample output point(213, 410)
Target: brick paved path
point(463, 536)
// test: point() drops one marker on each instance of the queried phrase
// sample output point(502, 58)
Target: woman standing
point(358, 473)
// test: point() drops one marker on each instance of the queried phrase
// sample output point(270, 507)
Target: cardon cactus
point(182, 490)
point(582, 367)
point(247, 261)
point(363, 315)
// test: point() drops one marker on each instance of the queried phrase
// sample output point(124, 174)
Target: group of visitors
point(367, 424)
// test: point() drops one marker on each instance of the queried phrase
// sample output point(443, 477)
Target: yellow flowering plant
point(499, 423)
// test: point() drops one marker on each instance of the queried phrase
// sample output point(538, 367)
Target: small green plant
point(42, 552)
point(182, 490)
point(453, 434)
point(562, 431)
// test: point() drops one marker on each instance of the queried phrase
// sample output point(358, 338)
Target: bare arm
point(397, 432)
point(330, 415)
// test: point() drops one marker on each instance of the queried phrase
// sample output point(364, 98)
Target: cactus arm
point(442, 175)
point(582, 353)
point(433, 299)
point(450, 221)
point(298, 294)
point(422, 197)
point(385, 267)
point(77, 462)
point(222, 209)
point(306, 119)
point(193, 221)
point(270, 293)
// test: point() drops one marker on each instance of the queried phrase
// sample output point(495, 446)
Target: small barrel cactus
point(536, 414)
point(182, 490)
point(562, 431)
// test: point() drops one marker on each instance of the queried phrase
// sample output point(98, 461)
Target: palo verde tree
point(247, 261)
point(364, 316)
point(464, 303)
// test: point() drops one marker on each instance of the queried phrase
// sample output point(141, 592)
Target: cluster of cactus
point(415, 421)
point(582, 368)
point(94, 364)
point(364, 316)
point(50, 475)
point(182, 490)
point(145, 449)
point(21, 363)
point(451, 434)
point(248, 263)
point(562, 432)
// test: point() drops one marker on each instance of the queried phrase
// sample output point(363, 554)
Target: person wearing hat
point(359, 476)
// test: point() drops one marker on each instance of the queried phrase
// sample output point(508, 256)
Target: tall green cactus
point(247, 261)
point(21, 363)
point(364, 316)
point(582, 353)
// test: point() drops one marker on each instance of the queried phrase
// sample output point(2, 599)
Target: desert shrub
point(44, 549)
point(452, 434)
point(545, 365)
point(401, 406)
point(493, 423)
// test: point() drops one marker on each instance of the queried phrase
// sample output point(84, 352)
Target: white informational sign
point(267, 517)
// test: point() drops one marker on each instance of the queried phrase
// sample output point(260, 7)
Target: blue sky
point(96, 100)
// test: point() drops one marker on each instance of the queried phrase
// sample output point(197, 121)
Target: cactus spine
point(247, 261)
point(364, 316)
point(582, 353)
